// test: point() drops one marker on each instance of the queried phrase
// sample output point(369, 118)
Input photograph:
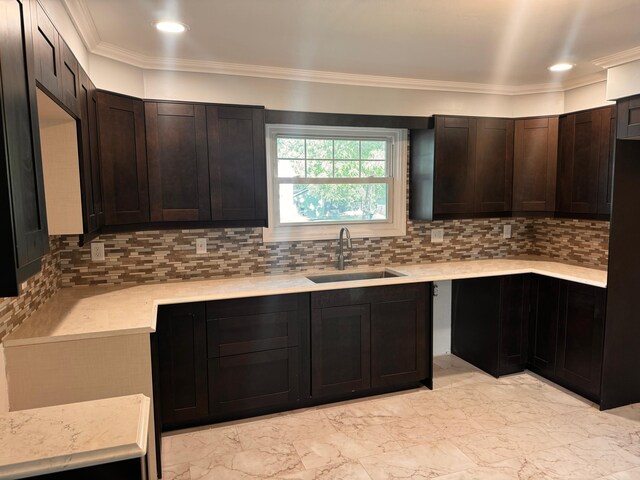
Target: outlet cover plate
point(97, 251)
point(201, 246)
point(437, 235)
point(506, 231)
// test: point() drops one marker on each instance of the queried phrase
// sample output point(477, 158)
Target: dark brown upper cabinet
point(535, 164)
point(46, 51)
point(123, 159)
point(69, 78)
point(177, 161)
point(23, 220)
point(90, 175)
point(473, 167)
point(494, 165)
point(585, 156)
point(455, 162)
point(629, 118)
point(237, 164)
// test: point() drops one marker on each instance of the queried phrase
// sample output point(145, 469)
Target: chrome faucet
point(343, 231)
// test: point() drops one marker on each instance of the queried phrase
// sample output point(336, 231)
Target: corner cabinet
point(535, 164)
point(23, 237)
point(373, 337)
point(629, 118)
point(123, 159)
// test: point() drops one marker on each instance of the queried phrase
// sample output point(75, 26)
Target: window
point(324, 177)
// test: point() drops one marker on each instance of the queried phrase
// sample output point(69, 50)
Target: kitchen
point(173, 220)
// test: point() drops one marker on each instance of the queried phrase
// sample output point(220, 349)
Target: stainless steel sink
point(350, 277)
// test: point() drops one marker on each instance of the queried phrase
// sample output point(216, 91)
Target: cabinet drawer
point(254, 380)
point(354, 296)
point(236, 327)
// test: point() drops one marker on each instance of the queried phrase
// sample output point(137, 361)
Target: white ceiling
point(494, 42)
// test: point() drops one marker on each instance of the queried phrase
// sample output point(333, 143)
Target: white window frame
point(396, 223)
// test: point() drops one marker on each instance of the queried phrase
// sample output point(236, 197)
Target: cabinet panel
point(93, 209)
point(177, 161)
point(340, 349)
point(629, 118)
point(123, 159)
point(399, 341)
point(545, 299)
point(254, 380)
point(606, 155)
point(515, 293)
point(455, 159)
point(69, 78)
point(24, 223)
point(46, 51)
point(581, 337)
point(535, 164)
point(237, 163)
point(494, 165)
point(182, 343)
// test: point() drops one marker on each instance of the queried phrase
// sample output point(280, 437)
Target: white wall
point(442, 319)
point(583, 98)
point(623, 81)
point(4, 388)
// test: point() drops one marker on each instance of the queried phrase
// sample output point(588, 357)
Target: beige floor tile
point(420, 462)
point(343, 471)
point(600, 423)
point(348, 445)
point(633, 474)
point(370, 412)
point(183, 448)
point(504, 443)
point(561, 463)
point(413, 431)
point(563, 428)
point(604, 454)
point(513, 469)
point(628, 441)
point(179, 471)
point(266, 462)
point(284, 429)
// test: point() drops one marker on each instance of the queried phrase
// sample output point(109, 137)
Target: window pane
point(318, 203)
point(347, 149)
point(320, 149)
point(374, 169)
point(290, 147)
point(374, 150)
point(344, 169)
point(290, 168)
point(319, 168)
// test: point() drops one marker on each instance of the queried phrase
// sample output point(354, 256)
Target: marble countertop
point(53, 439)
point(90, 312)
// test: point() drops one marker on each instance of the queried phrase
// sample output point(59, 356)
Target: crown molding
point(83, 21)
point(618, 58)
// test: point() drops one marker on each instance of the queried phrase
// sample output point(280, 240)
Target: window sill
point(330, 232)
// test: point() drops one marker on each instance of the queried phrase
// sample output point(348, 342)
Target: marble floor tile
point(420, 462)
point(178, 449)
point(346, 446)
point(265, 462)
point(470, 427)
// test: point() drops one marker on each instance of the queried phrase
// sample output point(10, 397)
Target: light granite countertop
point(90, 312)
point(63, 437)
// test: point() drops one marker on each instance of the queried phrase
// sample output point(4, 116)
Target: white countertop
point(63, 437)
point(90, 312)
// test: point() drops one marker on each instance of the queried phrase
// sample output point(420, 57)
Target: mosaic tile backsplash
point(161, 256)
point(38, 290)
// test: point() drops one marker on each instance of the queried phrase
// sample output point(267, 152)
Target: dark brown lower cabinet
point(581, 337)
point(372, 337)
point(567, 334)
point(489, 322)
point(543, 324)
point(182, 363)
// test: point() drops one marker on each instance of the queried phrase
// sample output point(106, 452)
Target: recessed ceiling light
point(561, 67)
point(171, 27)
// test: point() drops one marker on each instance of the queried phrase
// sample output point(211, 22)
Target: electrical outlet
point(201, 246)
point(506, 231)
point(437, 235)
point(97, 251)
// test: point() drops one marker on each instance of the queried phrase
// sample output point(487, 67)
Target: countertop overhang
point(92, 312)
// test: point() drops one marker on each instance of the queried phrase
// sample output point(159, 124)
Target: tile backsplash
point(38, 290)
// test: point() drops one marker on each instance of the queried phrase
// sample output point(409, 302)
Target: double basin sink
point(351, 277)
